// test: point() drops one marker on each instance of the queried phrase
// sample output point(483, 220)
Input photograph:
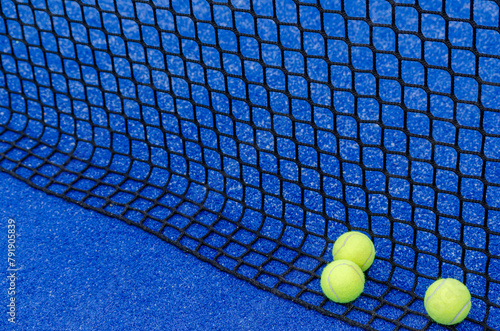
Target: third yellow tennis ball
point(356, 247)
point(447, 301)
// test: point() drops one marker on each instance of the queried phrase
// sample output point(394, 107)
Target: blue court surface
point(241, 138)
point(81, 270)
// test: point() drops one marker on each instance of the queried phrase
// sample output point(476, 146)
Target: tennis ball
point(342, 281)
point(356, 247)
point(447, 301)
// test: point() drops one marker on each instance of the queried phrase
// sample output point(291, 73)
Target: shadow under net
point(253, 134)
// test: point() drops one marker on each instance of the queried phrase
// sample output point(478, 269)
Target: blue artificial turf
point(81, 270)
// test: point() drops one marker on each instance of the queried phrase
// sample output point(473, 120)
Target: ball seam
point(460, 312)
point(345, 241)
point(368, 258)
point(437, 288)
point(330, 285)
point(360, 277)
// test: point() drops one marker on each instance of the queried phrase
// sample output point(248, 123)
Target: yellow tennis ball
point(447, 301)
point(342, 281)
point(356, 247)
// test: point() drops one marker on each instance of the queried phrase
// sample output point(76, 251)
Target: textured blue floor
point(82, 270)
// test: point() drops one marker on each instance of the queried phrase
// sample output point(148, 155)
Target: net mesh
point(253, 133)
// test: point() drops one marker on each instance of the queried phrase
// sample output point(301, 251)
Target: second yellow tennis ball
point(356, 247)
point(447, 301)
point(342, 281)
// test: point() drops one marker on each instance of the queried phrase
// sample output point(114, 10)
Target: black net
point(253, 133)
